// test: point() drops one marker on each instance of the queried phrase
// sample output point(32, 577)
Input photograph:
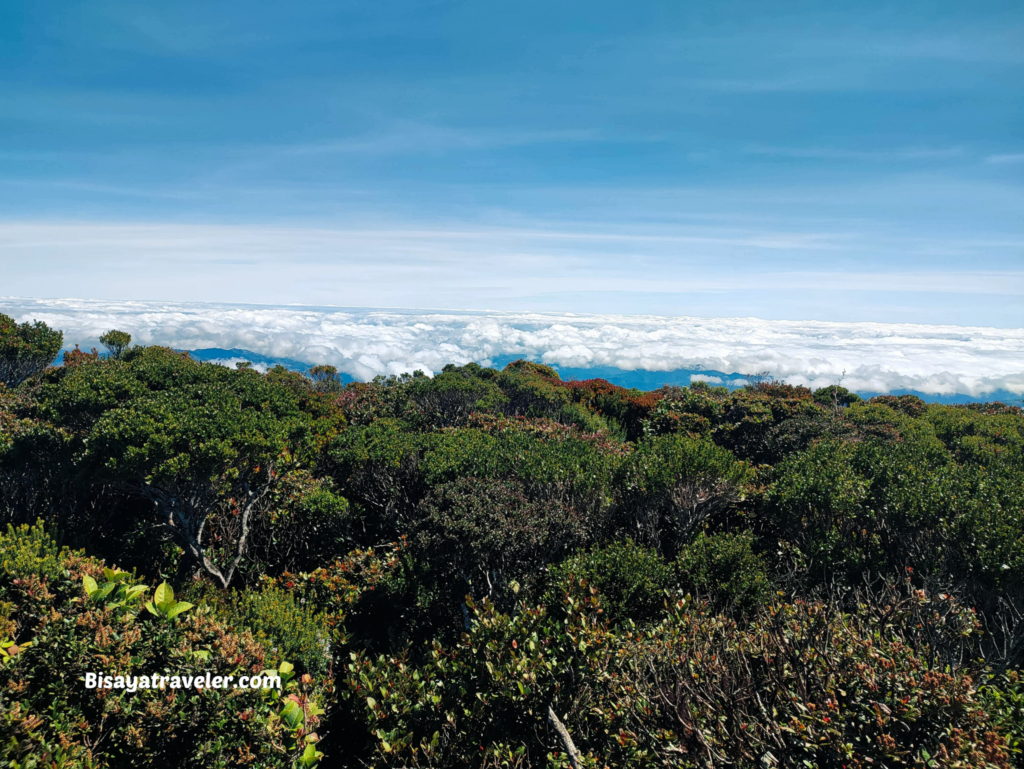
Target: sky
point(825, 161)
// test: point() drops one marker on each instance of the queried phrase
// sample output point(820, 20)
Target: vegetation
point(499, 569)
point(25, 349)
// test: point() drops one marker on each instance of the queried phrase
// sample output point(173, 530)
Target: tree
point(26, 349)
point(207, 449)
point(116, 342)
point(325, 379)
point(206, 462)
point(836, 397)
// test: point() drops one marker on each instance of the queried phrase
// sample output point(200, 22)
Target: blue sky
point(828, 161)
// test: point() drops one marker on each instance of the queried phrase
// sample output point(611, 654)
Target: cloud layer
point(876, 357)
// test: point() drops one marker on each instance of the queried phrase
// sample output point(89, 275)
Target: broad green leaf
point(310, 756)
point(292, 714)
point(102, 592)
point(164, 596)
point(152, 609)
point(178, 608)
point(90, 584)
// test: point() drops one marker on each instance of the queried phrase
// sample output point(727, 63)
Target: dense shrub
point(672, 485)
point(450, 398)
point(835, 396)
point(490, 538)
point(696, 410)
point(632, 580)
point(307, 524)
point(805, 685)
point(724, 569)
point(291, 630)
point(25, 349)
point(800, 685)
point(62, 632)
point(482, 560)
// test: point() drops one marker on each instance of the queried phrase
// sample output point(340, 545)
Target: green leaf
point(310, 756)
point(164, 597)
point(178, 608)
point(292, 714)
point(89, 584)
point(152, 609)
point(286, 667)
point(102, 592)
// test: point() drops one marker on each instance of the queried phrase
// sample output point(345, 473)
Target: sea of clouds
point(868, 357)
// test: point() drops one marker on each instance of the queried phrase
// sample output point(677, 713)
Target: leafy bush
point(801, 685)
point(72, 616)
point(725, 569)
point(631, 579)
point(672, 484)
point(1002, 697)
point(306, 524)
point(448, 399)
point(910, 405)
point(808, 685)
point(116, 342)
point(489, 538)
point(492, 483)
point(25, 349)
point(835, 396)
point(289, 628)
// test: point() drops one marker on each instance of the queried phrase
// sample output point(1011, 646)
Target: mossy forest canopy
point(499, 569)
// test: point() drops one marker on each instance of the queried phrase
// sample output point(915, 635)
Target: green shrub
point(490, 538)
point(307, 524)
point(671, 485)
point(725, 569)
point(631, 579)
point(71, 616)
point(1002, 697)
point(805, 684)
point(29, 552)
point(695, 410)
point(801, 684)
point(289, 628)
point(835, 396)
point(26, 349)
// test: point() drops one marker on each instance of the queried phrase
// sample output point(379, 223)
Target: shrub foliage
point(499, 569)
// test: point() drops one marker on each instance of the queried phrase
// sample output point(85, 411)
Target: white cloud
point(233, 363)
point(715, 380)
point(875, 356)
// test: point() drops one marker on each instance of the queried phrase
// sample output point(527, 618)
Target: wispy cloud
point(1017, 157)
point(425, 138)
point(493, 266)
point(839, 153)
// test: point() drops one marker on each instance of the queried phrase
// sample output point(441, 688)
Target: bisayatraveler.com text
point(134, 683)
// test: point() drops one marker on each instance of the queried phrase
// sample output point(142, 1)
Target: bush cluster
point(491, 568)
